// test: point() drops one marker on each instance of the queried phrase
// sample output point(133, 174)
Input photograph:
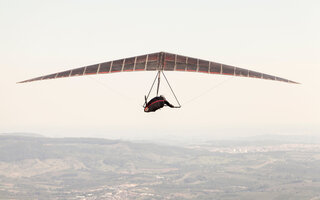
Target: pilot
point(157, 103)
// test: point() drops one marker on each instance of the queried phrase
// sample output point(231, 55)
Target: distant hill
point(90, 168)
point(307, 139)
point(21, 134)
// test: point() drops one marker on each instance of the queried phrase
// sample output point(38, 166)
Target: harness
point(154, 103)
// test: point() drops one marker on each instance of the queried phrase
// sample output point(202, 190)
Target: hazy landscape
point(35, 167)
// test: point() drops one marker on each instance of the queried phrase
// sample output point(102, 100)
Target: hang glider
point(161, 61)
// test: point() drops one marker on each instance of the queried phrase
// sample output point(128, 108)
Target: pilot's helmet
point(163, 97)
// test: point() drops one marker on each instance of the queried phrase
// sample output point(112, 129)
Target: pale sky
point(281, 38)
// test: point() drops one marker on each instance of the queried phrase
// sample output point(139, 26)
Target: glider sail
point(161, 61)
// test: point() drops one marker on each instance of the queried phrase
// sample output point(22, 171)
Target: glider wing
point(160, 61)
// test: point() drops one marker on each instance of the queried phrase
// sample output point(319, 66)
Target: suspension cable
point(158, 83)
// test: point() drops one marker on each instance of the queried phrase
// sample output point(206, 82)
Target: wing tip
point(294, 82)
point(21, 82)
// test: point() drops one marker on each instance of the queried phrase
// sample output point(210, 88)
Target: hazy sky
point(276, 37)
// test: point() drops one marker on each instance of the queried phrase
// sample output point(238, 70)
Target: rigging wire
point(152, 86)
point(171, 90)
point(153, 83)
point(209, 90)
point(108, 88)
